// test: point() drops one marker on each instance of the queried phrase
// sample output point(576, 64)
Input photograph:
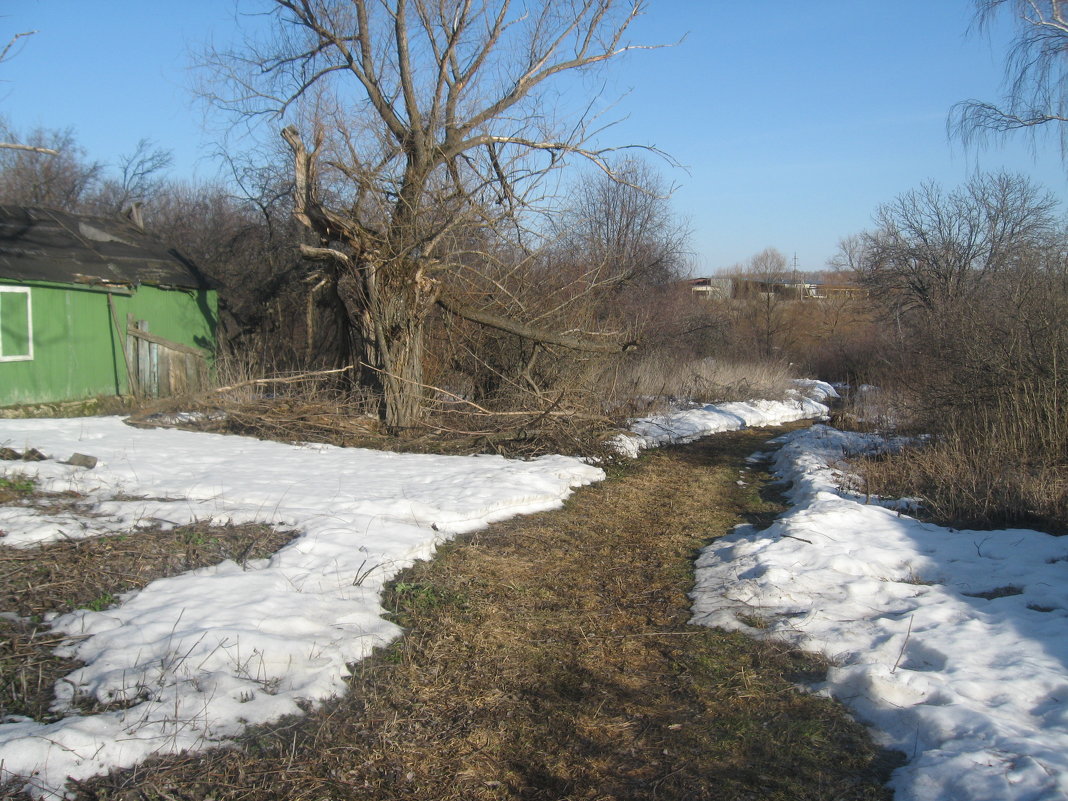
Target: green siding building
point(95, 307)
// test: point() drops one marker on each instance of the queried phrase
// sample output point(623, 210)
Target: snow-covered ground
point(197, 657)
point(952, 645)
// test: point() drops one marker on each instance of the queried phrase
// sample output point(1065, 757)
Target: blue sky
point(794, 120)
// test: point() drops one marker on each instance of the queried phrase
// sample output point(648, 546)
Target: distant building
point(743, 286)
point(840, 290)
point(708, 288)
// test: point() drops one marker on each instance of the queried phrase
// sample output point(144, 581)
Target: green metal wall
point(187, 317)
point(77, 350)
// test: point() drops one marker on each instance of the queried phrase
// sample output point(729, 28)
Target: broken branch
point(491, 320)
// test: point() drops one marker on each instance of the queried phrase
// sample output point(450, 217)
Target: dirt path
point(550, 657)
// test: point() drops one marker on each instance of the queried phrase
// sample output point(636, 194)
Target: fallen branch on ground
point(286, 380)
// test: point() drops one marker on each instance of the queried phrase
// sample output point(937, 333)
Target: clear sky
point(794, 120)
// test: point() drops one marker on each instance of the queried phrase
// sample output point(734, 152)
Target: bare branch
point(1036, 75)
point(544, 68)
point(490, 320)
point(292, 379)
point(312, 253)
point(4, 54)
point(47, 151)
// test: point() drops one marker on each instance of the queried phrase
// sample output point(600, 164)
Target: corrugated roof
point(39, 244)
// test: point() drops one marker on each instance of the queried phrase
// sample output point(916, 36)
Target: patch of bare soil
point(93, 573)
point(550, 657)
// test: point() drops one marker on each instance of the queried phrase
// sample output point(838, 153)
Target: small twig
point(286, 380)
point(901, 653)
point(362, 574)
point(535, 413)
point(801, 539)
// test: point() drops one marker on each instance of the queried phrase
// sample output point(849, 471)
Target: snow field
point(952, 645)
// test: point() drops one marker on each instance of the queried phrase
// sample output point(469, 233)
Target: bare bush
point(51, 171)
point(974, 286)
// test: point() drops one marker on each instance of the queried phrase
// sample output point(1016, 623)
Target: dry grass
point(990, 460)
point(869, 408)
point(581, 403)
point(549, 657)
point(15, 489)
point(969, 484)
point(656, 378)
point(291, 418)
point(92, 574)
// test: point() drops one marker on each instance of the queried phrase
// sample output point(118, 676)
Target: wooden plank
point(167, 343)
point(153, 368)
point(131, 379)
point(197, 372)
point(133, 355)
point(166, 358)
point(144, 367)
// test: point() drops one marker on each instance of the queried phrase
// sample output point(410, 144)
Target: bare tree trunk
point(403, 380)
point(386, 301)
point(394, 324)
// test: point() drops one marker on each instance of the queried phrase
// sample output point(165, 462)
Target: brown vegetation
point(973, 285)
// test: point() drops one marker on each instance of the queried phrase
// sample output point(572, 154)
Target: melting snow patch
point(952, 645)
point(804, 402)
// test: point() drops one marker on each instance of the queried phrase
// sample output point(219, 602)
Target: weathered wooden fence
point(161, 368)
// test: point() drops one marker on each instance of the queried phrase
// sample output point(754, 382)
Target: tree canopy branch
point(47, 151)
point(454, 306)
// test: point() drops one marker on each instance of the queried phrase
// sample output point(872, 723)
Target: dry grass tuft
point(965, 484)
point(655, 380)
point(986, 462)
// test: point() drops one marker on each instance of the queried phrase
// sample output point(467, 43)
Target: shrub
point(975, 283)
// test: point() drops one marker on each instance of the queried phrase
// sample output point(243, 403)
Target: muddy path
point(550, 657)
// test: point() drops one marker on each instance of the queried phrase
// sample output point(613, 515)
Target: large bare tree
point(422, 132)
point(762, 305)
point(624, 226)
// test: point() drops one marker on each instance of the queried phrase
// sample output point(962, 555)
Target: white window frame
point(21, 357)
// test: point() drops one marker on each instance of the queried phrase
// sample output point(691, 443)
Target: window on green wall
point(16, 324)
